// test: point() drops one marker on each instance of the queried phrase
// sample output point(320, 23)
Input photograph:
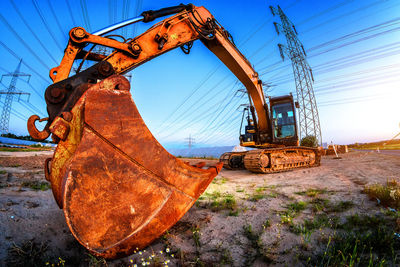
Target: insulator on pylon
point(276, 28)
point(272, 10)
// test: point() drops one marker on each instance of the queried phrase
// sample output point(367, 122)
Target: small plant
point(220, 181)
point(266, 224)
point(217, 202)
point(15, 165)
point(319, 221)
point(256, 244)
point(3, 172)
point(196, 237)
point(319, 204)
point(240, 190)
point(27, 254)
point(296, 207)
point(311, 192)
point(388, 194)
point(256, 197)
point(363, 241)
point(233, 213)
point(309, 141)
point(226, 258)
point(340, 206)
point(286, 218)
point(37, 185)
point(95, 261)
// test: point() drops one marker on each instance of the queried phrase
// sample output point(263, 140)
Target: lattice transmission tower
point(303, 76)
point(11, 91)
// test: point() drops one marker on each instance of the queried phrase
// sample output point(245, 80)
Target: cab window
point(283, 119)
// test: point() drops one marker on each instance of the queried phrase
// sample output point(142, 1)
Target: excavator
point(276, 145)
point(118, 187)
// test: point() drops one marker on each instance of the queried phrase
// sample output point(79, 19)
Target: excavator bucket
point(118, 187)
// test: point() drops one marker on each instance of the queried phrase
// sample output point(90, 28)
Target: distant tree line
point(22, 137)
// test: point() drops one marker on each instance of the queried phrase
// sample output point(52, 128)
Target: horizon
point(351, 46)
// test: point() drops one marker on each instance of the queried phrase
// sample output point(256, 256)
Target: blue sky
point(352, 46)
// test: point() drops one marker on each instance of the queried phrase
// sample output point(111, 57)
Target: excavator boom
point(118, 187)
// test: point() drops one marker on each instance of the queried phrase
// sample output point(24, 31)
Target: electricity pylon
point(11, 91)
point(303, 77)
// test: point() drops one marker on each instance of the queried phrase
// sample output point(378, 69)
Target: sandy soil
point(206, 234)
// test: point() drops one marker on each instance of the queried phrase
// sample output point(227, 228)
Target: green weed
point(340, 206)
point(312, 192)
point(319, 204)
point(27, 254)
point(37, 185)
point(364, 241)
point(388, 194)
point(196, 237)
point(296, 207)
point(220, 181)
point(3, 172)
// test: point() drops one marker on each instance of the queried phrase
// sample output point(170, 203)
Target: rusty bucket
point(118, 187)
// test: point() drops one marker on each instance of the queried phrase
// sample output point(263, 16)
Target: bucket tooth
point(118, 187)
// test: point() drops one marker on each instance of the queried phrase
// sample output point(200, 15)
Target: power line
point(23, 42)
point(39, 12)
point(32, 31)
point(71, 14)
point(85, 15)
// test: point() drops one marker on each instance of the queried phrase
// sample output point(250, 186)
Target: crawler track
point(281, 159)
point(272, 160)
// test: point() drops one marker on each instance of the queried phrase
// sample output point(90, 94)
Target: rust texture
point(119, 188)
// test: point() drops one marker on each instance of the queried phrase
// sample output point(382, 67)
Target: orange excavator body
point(118, 187)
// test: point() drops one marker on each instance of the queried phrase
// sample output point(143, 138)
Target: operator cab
point(284, 128)
point(248, 138)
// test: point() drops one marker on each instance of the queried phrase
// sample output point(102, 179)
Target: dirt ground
point(243, 219)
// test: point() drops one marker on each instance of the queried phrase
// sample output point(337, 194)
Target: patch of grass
point(27, 254)
point(256, 197)
point(240, 190)
point(297, 206)
point(319, 221)
point(217, 202)
point(292, 210)
point(388, 194)
point(260, 189)
point(287, 218)
point(226, 202)
point(340, 206)
point(364, 241)
point(15, 165)
point(37, 185)
point(312, 192)
point(220, 181)
point(233, 213)
point(196, 237)
point(256, 245)
point(226, 258)
point(16, 149)
point(3, 172)
point(319, 204)
point(94, 261)
point(259, 193)
point(266, 224)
